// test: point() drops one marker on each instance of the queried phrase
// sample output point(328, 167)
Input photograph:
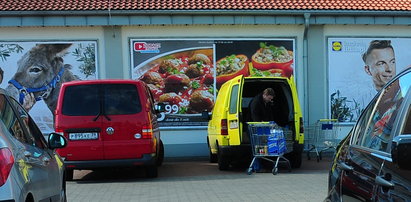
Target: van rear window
point(121, 99)
point(82, 100)
point(108, 99)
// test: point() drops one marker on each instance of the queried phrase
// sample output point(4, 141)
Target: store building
point(125, 39)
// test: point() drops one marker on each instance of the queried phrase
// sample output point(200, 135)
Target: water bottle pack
point(276, 141)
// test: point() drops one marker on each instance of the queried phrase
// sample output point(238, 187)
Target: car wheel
point(222, 160)
point(160, 157)
point(212, 157)
point(152, 171)
point(69, 174)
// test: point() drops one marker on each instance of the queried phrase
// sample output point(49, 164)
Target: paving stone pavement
point(198, 180)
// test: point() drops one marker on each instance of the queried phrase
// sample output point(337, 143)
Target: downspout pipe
point(305, 66)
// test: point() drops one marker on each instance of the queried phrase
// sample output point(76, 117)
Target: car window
point(359, 130)
point(378, 132)
point(29, 125)
point(407, 126)
point(233, 99)
point(121, 99)
point(12, 123)
point(81, 100)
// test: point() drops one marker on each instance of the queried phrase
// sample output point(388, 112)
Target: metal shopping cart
point(321, 137)
point(267, 140)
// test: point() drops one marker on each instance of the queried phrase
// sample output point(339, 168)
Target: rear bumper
point(146, 160)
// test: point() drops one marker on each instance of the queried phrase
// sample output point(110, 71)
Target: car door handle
point(46, 160)
point(383, 182)
point(345, 167)
point(27, 154)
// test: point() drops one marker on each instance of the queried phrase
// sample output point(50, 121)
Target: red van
point(108, 123)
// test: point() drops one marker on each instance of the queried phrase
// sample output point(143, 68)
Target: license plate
point(83, 136)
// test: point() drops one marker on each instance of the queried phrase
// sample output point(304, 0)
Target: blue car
point(373, 163)
point(30, 169)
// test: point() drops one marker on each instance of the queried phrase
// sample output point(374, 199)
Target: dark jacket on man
point(261, 111)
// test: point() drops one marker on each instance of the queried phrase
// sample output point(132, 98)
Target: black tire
point(223, 163)
point(151, 171)
point(213, 157)
point(69, 173)
point(296, 160)
point(160, 157)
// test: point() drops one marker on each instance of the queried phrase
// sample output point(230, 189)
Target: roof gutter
point(208, 12)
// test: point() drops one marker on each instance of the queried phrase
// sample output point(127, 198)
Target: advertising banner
point(187, 74)
point(358, 68)
point(32, 72)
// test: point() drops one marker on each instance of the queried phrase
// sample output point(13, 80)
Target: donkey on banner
point(40, 72)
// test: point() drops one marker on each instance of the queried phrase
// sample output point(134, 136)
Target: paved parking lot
point(198, 180)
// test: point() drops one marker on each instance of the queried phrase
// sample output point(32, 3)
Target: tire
point(275, 171)
point(69, 173)
point(160, 157)
point(296, 156)
point(212, 157)
point(222, 161)
point(151, 171)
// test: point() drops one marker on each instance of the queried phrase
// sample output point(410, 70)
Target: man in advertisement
point(379, 60)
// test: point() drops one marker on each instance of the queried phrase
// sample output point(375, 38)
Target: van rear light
point(301, 125)
point(224, 129)
point(6, 163)
point(147, 131)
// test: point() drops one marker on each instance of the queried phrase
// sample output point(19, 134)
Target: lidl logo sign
point(144, 47)
point(336, 45)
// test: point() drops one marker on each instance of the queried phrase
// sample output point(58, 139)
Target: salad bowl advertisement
point(186, 75)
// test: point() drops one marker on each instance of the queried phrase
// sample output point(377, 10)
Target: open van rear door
point(234, 124)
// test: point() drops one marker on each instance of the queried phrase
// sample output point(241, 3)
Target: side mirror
point(205, 115)
point(401, 151)
point(56, 140)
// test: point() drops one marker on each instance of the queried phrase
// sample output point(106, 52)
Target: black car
point(373, 163)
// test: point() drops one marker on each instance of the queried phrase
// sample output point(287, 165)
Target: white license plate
point(83, 136)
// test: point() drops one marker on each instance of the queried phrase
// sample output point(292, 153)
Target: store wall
point(192, 141)
point(114, 60)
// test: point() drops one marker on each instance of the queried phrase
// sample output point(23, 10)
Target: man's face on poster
point(380, 64)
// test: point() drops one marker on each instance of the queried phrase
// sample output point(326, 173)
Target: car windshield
point(88, 100)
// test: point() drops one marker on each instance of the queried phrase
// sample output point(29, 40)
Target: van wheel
point(160, 157)
point(223, 162)
point(69, 174)
point(297, 156)
point(151, 171)
point(213, 157)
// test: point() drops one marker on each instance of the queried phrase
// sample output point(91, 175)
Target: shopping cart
point(321, 137)
point(267, 140)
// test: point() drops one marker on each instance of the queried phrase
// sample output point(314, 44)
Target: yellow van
point(228, 137)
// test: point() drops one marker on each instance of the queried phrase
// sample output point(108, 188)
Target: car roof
point(102, 81)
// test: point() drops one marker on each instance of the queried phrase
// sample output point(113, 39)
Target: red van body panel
point(110, 139)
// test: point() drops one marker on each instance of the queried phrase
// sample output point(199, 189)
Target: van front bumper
point(146, 160)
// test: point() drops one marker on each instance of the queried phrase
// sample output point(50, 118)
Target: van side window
point(233, 100)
